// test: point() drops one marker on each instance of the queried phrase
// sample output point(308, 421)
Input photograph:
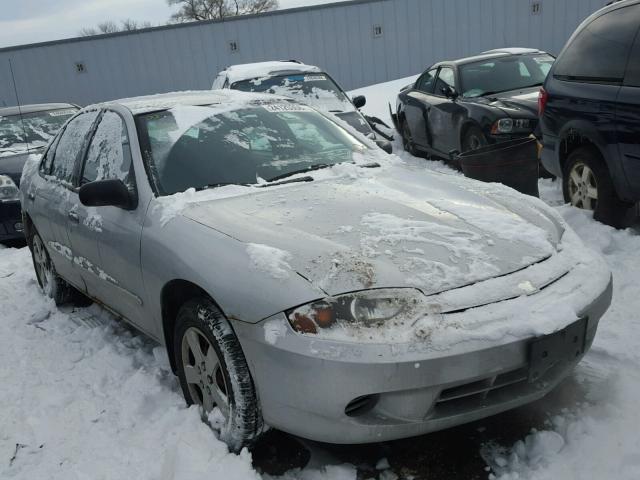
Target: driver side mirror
point(359, 101)
point(449, 92)
point(106, 193)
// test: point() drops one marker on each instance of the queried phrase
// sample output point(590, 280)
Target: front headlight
point(367, 308)
point(508, 125)
point(8, 189)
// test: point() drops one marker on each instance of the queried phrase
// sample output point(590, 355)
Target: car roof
point(514, 50)
point(247, 71)
point(164, 101)
point(35, 107)
point(496, 53)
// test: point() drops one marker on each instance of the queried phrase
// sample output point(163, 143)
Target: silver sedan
point(299, 277)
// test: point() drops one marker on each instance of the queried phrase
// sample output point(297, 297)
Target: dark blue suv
point(590, 114)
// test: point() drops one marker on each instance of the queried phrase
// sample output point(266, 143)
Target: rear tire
point(52, 285)
point(587, 184)
point(214, 373)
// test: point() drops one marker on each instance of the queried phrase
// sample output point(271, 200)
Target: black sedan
point(461, 105)
point(23, 131)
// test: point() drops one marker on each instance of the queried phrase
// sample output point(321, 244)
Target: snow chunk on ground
point(270, 260)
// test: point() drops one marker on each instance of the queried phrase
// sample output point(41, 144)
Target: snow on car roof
point(165, 101)
point(514, 50)
point(246, 71)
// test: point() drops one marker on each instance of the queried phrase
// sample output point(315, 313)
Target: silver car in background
point(303, 279)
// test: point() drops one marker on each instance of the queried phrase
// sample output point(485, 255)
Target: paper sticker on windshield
point(286, 107)
point(59, 113)
point(314, 78)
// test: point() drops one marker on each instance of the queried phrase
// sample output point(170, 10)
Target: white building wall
point(338, 37)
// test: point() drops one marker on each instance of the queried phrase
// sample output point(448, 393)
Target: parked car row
point(297, 276)
point(587, 114)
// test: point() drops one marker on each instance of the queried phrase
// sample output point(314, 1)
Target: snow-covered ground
point(84, 397)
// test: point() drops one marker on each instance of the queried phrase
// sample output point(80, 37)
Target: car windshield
point(209, 146)
point(315, 89)
point(504, 74)
point(33, 129)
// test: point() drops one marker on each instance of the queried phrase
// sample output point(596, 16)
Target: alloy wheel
point(42, 262)
point(583, 187)
point(203, 372)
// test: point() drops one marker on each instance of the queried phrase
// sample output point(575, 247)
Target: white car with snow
point(307, 84)
point(301, 279)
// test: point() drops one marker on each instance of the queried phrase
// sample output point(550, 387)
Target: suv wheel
point(587, 184)
point(52, 285)
point(214, 374)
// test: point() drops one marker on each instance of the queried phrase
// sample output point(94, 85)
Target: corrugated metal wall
point(338, 37)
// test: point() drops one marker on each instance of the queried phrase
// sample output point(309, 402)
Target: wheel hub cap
point(202, 368)
point(583, 188)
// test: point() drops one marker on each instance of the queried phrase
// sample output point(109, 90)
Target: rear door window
point(600, 51)
point(109, 155)
point(71, 146)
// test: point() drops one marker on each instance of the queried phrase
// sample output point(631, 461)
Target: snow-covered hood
point(388, 227)
point(517, 103)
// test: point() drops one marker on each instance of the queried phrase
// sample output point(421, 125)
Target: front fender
point(220, 265)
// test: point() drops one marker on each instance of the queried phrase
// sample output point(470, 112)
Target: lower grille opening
point(361, 405)
point(481, 389)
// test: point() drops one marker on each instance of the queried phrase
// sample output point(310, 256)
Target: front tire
point(407, 140)
point(214, 373)
point(52, 285)
point(473, 139)
point(587, 184)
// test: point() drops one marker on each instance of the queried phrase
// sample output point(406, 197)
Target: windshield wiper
point(291, 180)
point(215, 185)
point(310, 168)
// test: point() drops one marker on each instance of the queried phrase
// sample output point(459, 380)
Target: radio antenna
point(15, 89)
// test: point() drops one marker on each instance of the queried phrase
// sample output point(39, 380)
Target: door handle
point(74, 217)
point(31, 196)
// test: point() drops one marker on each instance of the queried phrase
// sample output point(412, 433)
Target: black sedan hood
point(11, 165)
point(520, 103)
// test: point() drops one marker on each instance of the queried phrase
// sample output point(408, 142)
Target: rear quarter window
point(599, 52)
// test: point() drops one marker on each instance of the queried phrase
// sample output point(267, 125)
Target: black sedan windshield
point(207, 146)
point(504, 74)
point(32, 129)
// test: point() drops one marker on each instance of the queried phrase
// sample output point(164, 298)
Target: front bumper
point(306, 386)
point(11, 227)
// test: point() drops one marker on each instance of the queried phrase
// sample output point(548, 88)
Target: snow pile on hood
point(270, 260)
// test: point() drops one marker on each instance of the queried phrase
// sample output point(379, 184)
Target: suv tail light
point(543, 96)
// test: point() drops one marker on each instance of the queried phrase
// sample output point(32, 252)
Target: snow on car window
point(70, 145)
point(31, 130)
point(204, 147)
point(317, 90)
point(109, 155)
